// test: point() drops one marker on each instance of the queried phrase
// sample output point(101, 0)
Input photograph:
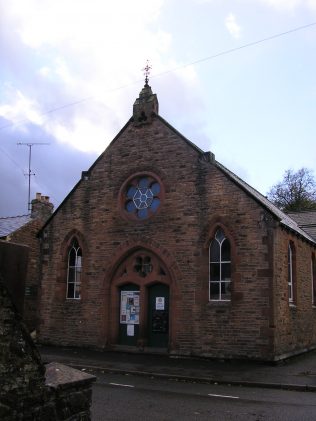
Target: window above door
point(141, 196)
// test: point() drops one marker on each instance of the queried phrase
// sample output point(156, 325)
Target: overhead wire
point(192, 63)
point(12, 160)
point(232, 50)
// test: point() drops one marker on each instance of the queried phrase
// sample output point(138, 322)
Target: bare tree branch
point(296, 192)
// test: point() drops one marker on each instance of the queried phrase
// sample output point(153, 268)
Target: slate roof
point(12, 223)
point(285, 219)
point(305, 220)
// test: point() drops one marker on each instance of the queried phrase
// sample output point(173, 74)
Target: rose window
point(142, 197)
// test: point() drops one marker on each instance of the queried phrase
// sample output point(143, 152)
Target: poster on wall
point(129, 313)
point(130, 330)
point(160, 303)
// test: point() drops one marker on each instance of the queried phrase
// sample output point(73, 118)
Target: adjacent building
point(23, 229)
point(305, 220)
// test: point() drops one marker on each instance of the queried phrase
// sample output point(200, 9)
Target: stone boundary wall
point(28, 389)
point(70, 392)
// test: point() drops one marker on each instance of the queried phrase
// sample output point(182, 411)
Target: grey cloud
point(57, 169)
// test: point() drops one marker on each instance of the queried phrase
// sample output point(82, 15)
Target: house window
point(74, 270)
point(313, 274)
point(290, 266)
point(220, 268)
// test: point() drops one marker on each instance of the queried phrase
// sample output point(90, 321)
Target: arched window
point(291, 272)
point(220, 268)
point(74, 270)
point(313, 274)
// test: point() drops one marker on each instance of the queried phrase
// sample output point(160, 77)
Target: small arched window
point(74, 270)
point(220, 268)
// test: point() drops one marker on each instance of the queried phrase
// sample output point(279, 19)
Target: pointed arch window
point(291, 273)
point(220, 268)
point(74, 270)
point(313, 275)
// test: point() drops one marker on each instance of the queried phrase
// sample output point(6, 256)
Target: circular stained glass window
point(142, 197)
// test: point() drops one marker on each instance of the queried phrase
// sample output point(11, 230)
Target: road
point(126, 397)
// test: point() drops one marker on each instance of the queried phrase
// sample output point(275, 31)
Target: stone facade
point(294, 324)
point(197, 197)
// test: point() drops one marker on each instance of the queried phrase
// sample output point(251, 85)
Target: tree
point(296, 192)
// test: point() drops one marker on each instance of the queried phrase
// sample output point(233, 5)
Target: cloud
point(76, 50)
point(20, 108)
point(231, 24)
point(86, 53)
point(56, 167)
point(290, 5)
point(311, 4)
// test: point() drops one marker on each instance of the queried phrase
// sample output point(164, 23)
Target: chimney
point(41, 207)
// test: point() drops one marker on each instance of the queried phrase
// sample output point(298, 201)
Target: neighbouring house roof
point(305, 220)
point(11, 224)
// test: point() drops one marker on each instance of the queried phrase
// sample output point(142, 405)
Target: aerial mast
point(29, 174)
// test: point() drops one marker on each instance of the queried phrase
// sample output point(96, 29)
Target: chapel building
point(160, 248)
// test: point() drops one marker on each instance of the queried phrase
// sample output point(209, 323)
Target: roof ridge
point(284, 218)
point(15, 216)
point(302, 211)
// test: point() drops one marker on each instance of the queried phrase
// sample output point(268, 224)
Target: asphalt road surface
point(126, 397)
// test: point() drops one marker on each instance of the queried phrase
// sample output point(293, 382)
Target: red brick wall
point(198, 198)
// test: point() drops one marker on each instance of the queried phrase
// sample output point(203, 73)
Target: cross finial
point(146, 70)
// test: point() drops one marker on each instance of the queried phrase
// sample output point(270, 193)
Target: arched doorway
point(140, 301)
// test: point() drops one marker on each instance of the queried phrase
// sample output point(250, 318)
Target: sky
point(224, 75)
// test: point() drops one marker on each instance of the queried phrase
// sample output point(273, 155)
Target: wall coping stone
point(60, 376)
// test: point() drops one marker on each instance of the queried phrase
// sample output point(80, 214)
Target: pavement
point(295, 373)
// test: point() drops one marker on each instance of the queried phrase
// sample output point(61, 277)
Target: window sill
point(219, 302)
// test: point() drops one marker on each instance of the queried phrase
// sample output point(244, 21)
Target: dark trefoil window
point(74, 271)
point(142, 197)
point(220, 268)
point(143, 265)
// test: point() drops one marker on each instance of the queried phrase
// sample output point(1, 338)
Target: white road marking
point(122, 385)
point(223, 396)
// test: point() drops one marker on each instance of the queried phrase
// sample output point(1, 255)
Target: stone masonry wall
point(294, 323)
point(198, 198)
point(21, 372)
point(243, 326)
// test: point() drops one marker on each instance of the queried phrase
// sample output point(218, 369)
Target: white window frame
point(290, 274)
point(220, 262)
point(77, 267)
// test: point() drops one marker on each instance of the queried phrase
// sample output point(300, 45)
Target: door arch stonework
point(144, 268)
